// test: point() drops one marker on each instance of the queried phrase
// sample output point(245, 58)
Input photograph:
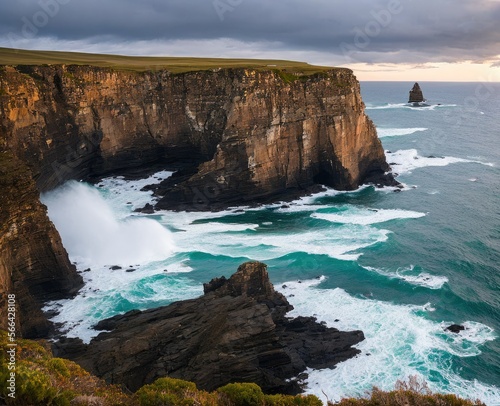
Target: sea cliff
point(34, 265)
point(243, 134)
point(237, 135)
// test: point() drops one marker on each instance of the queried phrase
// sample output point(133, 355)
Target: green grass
point(10, 56)
point(42, 380)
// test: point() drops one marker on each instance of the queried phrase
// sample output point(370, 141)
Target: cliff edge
point(34, 265)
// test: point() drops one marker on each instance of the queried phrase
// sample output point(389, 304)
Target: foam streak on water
point(392, 132)
point(413, 276)
point(407, 106)
point(366, 216)
point(405, 161)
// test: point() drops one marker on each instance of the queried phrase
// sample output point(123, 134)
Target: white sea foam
point(107, 293)
point(126, 195)
point(392, 132)
point(309, 202)
point(233, 240)
point(399, 341)
point(362, 216)
point(407, 106)
point(405, 161)
point(413, 276)
point(92, 232)
point(178, 267)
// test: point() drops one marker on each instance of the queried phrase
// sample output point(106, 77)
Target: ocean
point(401, 267)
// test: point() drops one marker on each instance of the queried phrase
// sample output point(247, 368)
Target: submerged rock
point(236, 332)
point(455, 328)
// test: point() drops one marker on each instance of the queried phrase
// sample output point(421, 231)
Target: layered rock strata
point(237, 332)
point(244, 134)
point(34, 265)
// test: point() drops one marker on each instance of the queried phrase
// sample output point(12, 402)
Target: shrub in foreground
point(411, 393)
point(42, 380)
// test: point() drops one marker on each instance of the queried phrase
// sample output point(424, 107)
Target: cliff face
point(33, 263)
point(280, 138)
point(247, 134)
point(236, 332)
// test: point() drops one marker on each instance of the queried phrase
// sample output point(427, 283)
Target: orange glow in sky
point(439, 72)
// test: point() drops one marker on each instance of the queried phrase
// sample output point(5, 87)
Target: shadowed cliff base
point(34, 265)
point(237, 332)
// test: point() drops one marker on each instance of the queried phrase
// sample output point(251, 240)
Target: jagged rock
point(416, 95)
point(455, 328)
point(236, 332)
point(147, 209)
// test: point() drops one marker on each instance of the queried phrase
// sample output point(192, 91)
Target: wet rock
point(455, 328)
point(147, 209)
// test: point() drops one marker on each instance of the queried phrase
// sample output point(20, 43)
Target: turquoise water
point(399, 266)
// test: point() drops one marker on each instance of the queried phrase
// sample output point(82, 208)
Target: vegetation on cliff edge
point(10, 56)
point(41, 379)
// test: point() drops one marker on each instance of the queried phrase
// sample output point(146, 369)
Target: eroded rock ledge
point(237, 332)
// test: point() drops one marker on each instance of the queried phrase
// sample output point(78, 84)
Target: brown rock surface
point(33, 263)
point(416, 95)
point(236, 332)
point(247, 134)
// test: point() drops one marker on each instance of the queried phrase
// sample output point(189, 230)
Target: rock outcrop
point(34, 265)
point(236, 332)
point(416, 95)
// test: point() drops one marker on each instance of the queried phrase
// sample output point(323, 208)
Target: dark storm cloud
point(370, 31)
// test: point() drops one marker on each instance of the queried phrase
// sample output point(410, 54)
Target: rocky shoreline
point(235, 137)
point(237, 331)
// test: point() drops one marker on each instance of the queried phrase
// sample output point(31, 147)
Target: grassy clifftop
point(10, 56)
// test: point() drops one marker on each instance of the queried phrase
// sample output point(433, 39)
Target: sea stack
point(416, 95)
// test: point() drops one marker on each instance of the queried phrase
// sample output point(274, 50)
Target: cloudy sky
point(378, 39)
